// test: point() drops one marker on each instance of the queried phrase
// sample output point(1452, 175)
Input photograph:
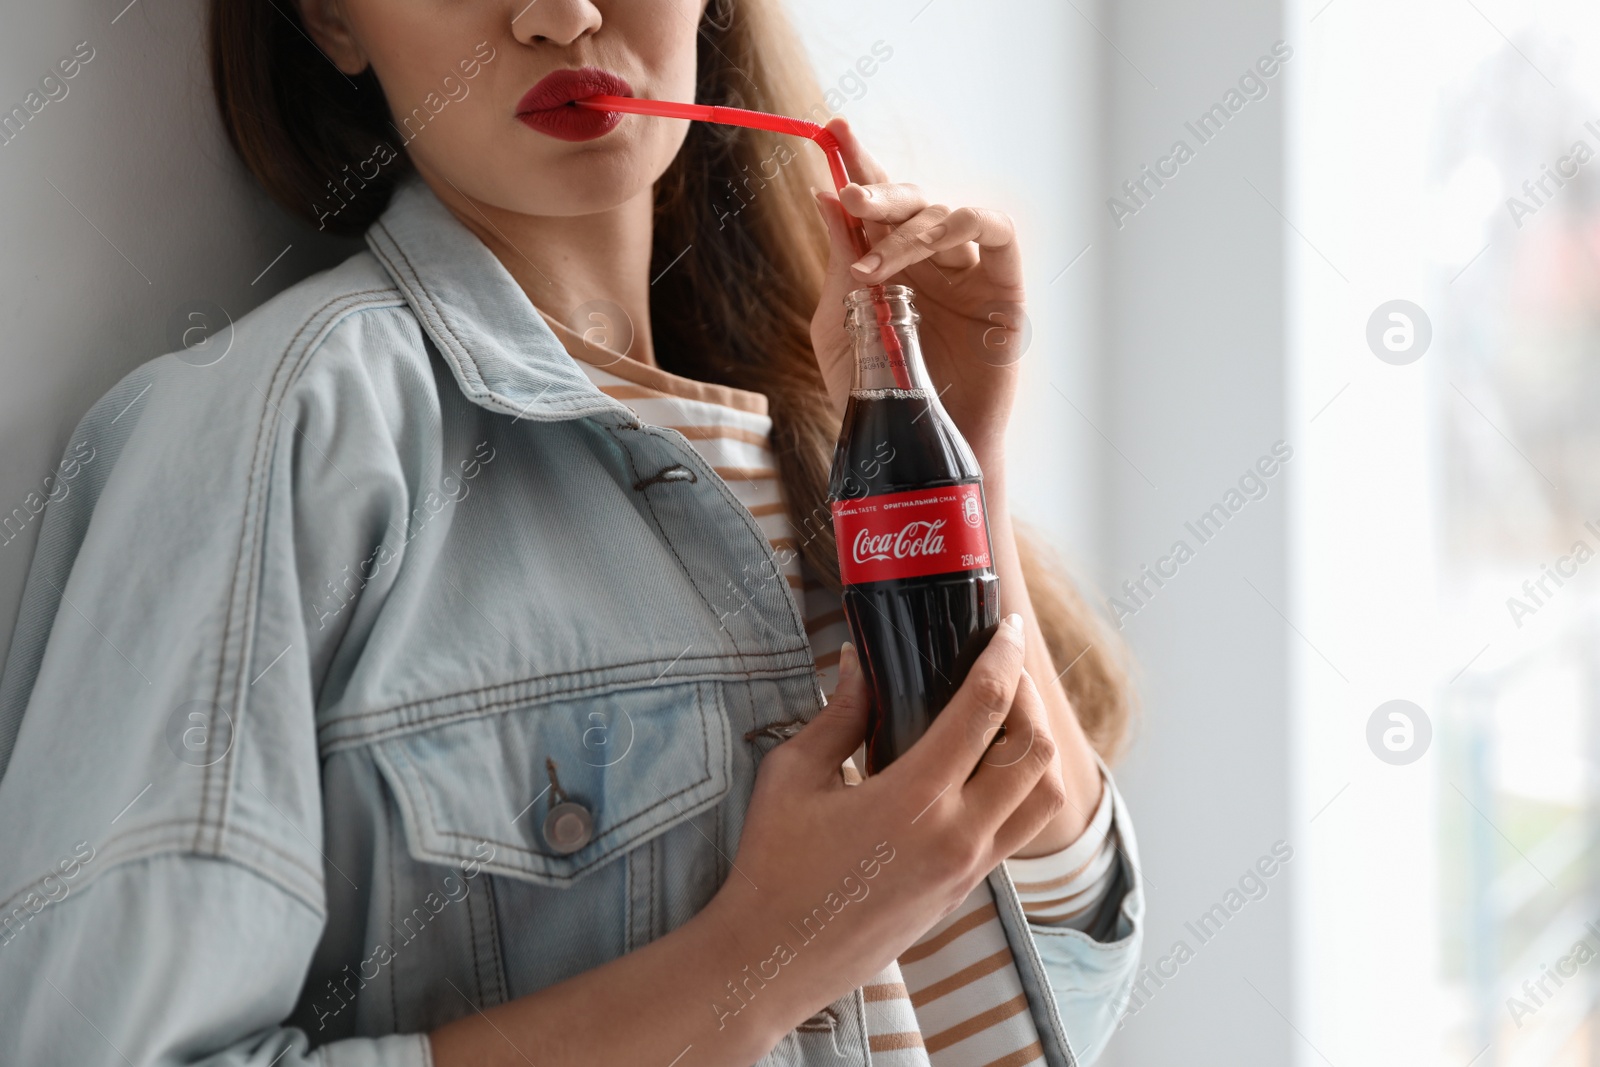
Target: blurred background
point(1371, 269)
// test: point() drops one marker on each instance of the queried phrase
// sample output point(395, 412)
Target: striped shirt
point(954, 999)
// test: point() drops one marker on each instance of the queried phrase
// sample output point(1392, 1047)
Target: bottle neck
point(883, 324)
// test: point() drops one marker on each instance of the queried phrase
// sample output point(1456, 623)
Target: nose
point(556, 21)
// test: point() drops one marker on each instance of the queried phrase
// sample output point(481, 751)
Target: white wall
point(119, 203)
point(1195, 360)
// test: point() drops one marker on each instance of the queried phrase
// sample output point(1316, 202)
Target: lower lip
point(571, 123)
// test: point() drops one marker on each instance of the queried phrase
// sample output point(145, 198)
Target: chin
point(594, 180)
point(583, 178)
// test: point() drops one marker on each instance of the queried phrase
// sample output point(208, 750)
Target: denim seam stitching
point(414, 282)
point(504, 707)
point(494, 939)
point(255, 516)
point(173, 846)
point(654, 845)
point(472, 938)
point(396, 836)
point(554, 696)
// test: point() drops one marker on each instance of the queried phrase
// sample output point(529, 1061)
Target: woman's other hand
point(967, 272)
point(833, 881)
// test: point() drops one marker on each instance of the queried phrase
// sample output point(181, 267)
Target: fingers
point(1020, 777)
point(955, 741)
point(835, 354)
point(840, 727)
point(870, 196)
point(899, 248)
point(955, 239)
point(1030, 817)
point(857, 160)
point(907, 229)
point(887, 202)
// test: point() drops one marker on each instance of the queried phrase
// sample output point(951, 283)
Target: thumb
point(841, 252)
point(834, 350)
point(841, 727)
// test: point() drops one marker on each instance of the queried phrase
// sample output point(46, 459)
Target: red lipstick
point(548, 106)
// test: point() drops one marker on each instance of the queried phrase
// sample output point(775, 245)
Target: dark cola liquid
point(918, 636)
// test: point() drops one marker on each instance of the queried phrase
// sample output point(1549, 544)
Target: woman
point(393, 688)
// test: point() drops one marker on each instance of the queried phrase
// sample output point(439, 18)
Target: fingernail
point(867, 264)
point(863, 190)
point(848, 663)
point(931, 234)
point(1014, 621)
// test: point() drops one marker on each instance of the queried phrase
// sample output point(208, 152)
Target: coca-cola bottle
point(920, 591)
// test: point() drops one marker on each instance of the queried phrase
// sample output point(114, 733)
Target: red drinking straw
point(760, 120)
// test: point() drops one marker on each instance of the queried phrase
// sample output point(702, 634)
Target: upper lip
point(562, 87)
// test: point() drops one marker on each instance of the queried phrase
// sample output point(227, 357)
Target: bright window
point(1448, 529)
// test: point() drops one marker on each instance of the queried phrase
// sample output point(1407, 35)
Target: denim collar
point(502, 353)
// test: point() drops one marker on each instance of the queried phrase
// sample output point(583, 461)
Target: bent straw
point(761, 120)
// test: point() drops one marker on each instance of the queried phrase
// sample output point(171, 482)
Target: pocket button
point(568, 827)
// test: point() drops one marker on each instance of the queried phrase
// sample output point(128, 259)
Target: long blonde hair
point(735, 312)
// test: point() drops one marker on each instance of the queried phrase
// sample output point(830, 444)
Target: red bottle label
point(909, 535)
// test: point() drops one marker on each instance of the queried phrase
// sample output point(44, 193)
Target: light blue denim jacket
point(304, 626)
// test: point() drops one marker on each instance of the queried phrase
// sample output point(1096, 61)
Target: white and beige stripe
point(1068, 887)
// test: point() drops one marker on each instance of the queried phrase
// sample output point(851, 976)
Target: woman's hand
point(967, 273)
point(832, 881)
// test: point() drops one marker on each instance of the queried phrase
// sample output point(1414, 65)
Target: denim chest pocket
point(550, 791)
